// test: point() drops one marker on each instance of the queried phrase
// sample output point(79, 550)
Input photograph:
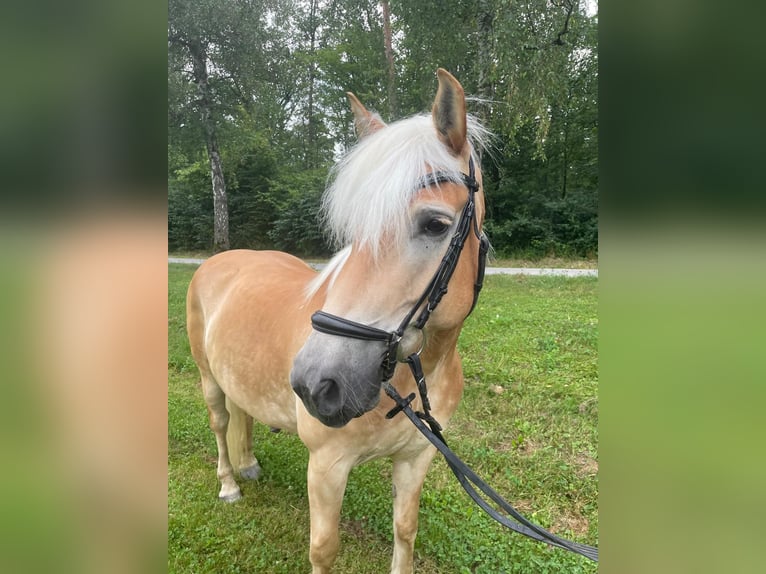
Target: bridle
point(433, 293)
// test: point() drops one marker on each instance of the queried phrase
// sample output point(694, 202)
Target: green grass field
point(527, 424)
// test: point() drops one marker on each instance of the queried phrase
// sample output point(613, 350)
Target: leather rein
point(429, 299)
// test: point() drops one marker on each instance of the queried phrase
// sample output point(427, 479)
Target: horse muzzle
point(336, 379)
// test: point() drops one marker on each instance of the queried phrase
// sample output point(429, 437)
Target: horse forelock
point(371, 187)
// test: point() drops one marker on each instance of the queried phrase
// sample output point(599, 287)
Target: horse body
point(245, 328)
point(249, 323)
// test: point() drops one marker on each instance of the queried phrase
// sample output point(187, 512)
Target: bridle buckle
point(404, 351)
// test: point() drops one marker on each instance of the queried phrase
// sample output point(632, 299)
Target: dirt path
point(490, 270)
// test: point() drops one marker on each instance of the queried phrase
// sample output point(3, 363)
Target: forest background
point(257, 112)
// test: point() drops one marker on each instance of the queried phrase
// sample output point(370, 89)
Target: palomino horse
point(249, 319)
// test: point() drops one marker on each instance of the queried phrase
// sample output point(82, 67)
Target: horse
point(394, 201)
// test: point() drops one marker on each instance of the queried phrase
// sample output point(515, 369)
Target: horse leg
point(219, 422)
point(239, 438)
point(408, 477)
point(327, 477)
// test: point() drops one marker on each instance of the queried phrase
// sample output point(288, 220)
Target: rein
point(467, 478)
point(423, 420)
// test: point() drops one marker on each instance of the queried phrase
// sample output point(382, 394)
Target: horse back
point(247, 317)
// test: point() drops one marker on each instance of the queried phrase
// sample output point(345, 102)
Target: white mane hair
point(329, 273)
point(371, 187)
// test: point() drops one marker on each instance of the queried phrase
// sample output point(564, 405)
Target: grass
point(548, 262)
point(527, 425)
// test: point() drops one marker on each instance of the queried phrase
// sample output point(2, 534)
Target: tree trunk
point(390, 59)
point(566, 118)
point(485, 85)
point(310, 159)
point(220, 200)
point(486, 22)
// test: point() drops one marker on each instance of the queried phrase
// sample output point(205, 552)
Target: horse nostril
point(327, 397)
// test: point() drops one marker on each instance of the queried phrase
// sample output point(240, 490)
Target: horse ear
point(365, 122)
point(448, 112)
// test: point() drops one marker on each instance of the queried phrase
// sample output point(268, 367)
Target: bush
point(565, 226)
point(190, 209)
point(297, 228)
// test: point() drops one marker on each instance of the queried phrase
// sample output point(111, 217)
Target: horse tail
point(195, 326)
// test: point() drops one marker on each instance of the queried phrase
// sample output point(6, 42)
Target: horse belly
point(264, 393)
point(250, 356)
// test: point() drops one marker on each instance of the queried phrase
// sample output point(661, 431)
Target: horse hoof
point(251, 472)
point(275, 429)
point(234, 497)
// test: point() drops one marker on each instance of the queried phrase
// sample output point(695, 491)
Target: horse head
point(398, 200)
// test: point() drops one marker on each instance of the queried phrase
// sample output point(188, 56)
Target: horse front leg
point(408, 477)
point(327, 477)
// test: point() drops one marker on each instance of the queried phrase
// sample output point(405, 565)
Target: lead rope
point(467, 477)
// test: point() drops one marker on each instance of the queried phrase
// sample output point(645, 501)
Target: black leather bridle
point(436, 289)
point(433, 293)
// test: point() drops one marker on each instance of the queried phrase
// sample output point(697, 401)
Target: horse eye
point(436, 226)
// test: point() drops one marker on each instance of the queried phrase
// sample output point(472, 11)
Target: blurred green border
point(681, 258)
point(682, 283)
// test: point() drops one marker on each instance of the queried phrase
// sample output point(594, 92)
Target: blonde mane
point(371, 187)
point(329, 273)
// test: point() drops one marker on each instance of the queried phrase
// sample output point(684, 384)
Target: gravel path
point(490, 270)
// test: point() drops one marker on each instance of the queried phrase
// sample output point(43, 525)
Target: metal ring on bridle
point(405, 350)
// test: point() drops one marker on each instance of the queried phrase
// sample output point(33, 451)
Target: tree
point(220, 47)
point(388, 46)
point(270, 99)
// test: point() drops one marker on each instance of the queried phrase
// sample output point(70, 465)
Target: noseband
point(433, 293)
